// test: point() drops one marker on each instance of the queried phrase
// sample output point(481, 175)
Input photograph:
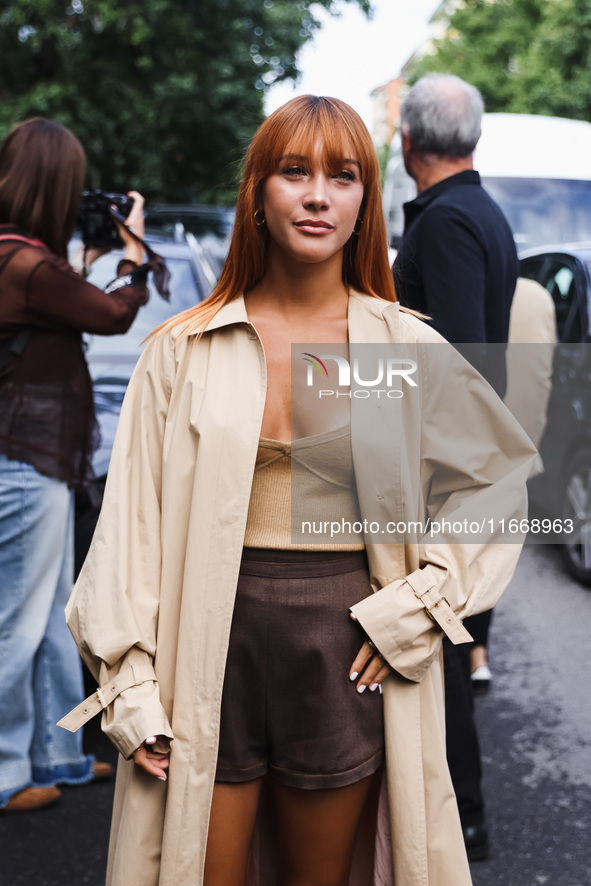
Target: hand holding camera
point(111, 220)
point(105, 220)
point(134, 223)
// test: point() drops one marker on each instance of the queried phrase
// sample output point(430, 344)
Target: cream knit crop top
point(299, 487)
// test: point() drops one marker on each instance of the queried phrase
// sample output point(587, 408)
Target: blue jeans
point(40, 669)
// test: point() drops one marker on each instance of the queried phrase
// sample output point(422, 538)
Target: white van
point(538, 169)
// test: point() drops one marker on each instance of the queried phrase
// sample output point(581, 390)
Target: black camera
point(96, 225)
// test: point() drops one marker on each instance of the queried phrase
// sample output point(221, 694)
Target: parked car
point(206, 228)
point(564, 489)
point(194, 267)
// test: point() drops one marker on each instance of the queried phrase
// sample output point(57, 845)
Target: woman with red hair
point(236, 678)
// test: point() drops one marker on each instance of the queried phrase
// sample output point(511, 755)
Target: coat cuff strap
point(106, 694)
point(438, 609)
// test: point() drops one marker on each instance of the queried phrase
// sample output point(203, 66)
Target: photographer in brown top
point(47, 434)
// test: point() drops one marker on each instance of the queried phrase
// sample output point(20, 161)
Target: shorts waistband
point(298, 564)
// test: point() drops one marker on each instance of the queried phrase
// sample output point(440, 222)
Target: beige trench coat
point(152, 609)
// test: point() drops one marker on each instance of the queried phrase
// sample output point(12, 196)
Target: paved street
point(536, 739)
point(535, 730)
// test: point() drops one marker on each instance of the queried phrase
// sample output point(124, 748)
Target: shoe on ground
point(481, 679)
point(476, 841)
point(102, 771)
point(32, 798)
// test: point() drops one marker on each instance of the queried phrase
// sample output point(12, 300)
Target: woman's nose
point(317, 195)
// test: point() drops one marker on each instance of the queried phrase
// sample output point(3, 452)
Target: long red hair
point(297, 128)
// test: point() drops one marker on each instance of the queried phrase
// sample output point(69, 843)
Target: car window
point(543, 211)
point(183, 294)
point(531, 268)
point(559, 279)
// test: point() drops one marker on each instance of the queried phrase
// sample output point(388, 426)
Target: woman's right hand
point(153, 762)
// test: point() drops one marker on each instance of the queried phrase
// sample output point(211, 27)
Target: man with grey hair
point(457, 260)
point(444, 115)
point(458, 264)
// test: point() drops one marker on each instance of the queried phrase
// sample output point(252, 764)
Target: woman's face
point(310, 214)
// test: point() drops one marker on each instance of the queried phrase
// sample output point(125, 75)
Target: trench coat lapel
point(407, 850)
point(373, 321)
point(225, 419)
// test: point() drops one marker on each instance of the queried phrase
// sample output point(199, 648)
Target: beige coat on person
point(153, 605)
point(530, 359)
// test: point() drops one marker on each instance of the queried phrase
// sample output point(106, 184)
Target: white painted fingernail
point(374, 686)
point(161, 777)
point(381, 690)
point(361, 689)
point(353, 676)
point(353, 616)
point(151, 739)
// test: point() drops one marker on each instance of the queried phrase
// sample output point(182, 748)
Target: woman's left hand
point(372, 667)
point(135, 221)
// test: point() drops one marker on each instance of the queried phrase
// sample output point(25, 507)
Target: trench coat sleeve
point(113, 611)
point(475, 460)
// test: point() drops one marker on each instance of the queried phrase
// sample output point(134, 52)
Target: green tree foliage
point(525, 56)
point(163, 94)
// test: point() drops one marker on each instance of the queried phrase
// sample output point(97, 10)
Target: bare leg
point(478, 658)
point(317, 831)
point(231, 823)
point(479, 627)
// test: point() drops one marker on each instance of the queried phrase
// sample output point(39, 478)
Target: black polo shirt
point(457, 261)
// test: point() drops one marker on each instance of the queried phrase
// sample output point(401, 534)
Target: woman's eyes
point(345, 175)
point(296, 171)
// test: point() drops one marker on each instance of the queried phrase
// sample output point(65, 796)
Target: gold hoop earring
point(357, 228)
point(259, 220)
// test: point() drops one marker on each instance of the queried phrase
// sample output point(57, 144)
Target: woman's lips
point(314, 226)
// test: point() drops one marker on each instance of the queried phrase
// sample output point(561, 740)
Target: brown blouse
point(46, 405)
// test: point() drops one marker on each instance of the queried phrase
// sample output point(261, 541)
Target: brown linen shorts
point(288, 705)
